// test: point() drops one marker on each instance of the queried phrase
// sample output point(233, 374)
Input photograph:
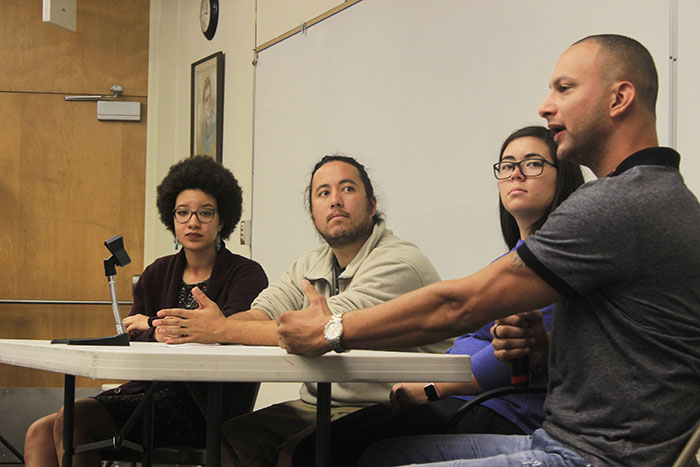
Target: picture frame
point(207, 106)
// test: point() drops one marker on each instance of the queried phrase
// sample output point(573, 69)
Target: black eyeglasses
point(204, 216)
point(528, 167)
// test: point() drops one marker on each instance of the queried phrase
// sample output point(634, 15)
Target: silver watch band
point(334, 342)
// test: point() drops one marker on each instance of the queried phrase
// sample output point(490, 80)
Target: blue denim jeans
point(471, 450)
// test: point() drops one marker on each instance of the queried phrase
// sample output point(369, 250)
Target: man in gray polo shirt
point(622, 256)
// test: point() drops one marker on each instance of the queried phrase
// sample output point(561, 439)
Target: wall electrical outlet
point(245, 228)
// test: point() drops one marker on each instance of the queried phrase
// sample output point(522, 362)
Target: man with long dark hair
point(362, 264)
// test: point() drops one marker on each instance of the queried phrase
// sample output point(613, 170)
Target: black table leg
point(68, 413)
point(214, 409)
point(323, 424)
point(148, 430)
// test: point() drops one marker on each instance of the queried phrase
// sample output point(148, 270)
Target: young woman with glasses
point(200, 202)
point(531, 183)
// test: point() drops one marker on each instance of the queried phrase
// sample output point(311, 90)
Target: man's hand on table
point(301, 331)
point(179, 325)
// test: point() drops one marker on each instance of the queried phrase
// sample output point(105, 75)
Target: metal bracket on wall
point(116, 92)
point(108, 108)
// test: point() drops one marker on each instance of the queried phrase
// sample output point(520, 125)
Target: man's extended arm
point(432, 313)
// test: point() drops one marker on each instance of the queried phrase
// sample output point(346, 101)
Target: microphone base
point(117, 340)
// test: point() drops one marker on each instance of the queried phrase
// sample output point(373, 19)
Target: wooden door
point(69, 181)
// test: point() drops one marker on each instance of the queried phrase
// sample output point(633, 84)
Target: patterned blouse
point(185, 299)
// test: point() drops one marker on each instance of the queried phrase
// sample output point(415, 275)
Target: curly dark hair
point(203, 173)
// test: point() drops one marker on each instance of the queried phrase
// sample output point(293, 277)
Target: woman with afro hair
point(199, 201)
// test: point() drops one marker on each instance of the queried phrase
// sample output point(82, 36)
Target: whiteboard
point(423, 93)
point(688, 65)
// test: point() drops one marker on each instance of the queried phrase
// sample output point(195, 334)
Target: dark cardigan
point(234, 283)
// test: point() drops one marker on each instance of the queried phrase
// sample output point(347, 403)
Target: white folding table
point(216, 364)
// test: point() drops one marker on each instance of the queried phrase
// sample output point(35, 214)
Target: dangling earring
point(177, 244)
point(218, 241)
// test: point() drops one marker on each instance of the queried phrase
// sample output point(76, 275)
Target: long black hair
point(569, 178)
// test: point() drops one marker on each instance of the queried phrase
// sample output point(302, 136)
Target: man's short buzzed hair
point(631, 61)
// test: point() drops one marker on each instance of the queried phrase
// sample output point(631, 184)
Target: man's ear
point(624, 94)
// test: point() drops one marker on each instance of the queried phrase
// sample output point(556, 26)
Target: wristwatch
point(431, 392)
point(333, 331)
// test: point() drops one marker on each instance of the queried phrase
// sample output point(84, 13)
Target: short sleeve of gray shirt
point(624, 253)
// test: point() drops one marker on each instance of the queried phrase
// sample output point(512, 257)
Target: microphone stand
point(119, 258)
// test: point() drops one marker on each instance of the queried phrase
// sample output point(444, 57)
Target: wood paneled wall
point(69, 181)
point(110, 46)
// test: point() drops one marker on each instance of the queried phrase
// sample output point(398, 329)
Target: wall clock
point(209, 17)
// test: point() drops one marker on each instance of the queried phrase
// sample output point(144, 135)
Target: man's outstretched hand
point(301, 331)
point(179, 326)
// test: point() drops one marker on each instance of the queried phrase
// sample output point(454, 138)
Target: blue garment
point(523, 410)
point(481, 450)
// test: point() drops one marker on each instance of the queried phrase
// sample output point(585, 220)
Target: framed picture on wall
point(207, 106)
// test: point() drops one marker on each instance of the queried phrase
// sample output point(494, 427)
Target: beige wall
point(175, 43)
point(279, 16)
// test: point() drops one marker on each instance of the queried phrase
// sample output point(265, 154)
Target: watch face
point(334, 330)
point(430, 392)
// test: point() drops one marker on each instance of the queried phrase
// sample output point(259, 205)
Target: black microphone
point(520, 371)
